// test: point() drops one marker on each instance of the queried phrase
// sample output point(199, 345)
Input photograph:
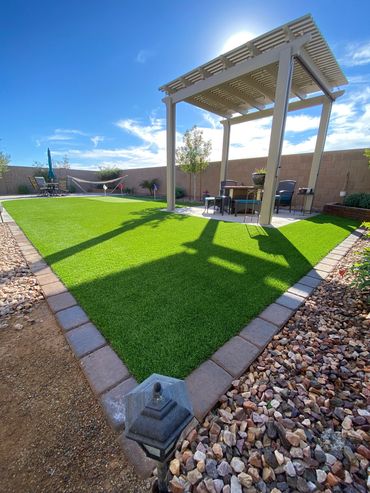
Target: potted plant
point(258, 176)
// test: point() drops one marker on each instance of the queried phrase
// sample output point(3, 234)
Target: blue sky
point(82, 77)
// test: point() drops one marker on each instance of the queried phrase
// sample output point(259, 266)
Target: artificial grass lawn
point(167, 290)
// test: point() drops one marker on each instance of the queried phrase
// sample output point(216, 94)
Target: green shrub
point(23, 190)
point(180, 192)
point(361, 200)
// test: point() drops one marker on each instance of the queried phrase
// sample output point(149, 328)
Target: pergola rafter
point(292, 61)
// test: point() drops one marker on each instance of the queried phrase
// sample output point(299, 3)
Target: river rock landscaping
point(297, 421)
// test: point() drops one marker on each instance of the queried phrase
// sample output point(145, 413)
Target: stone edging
point(110, 379)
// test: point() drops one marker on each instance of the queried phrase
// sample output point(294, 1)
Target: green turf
point(167, 290)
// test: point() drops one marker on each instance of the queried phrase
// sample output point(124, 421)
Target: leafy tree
point(149, 185)
point(41, 169)
point(4, 161)
point(109, 172)
point(193, 156)
point(367, 154)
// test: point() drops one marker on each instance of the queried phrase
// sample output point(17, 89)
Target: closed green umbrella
point(51, 174)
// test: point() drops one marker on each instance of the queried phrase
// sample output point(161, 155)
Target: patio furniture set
point(234, 198)
point(46, 189)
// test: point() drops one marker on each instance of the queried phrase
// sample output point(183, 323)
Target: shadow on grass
point(151, 217)
point(169, 315)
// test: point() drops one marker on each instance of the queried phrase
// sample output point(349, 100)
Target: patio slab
point(278, 220)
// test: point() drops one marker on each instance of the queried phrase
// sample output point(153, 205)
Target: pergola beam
point(319, 149)
point(312, 69)
point(225, 150)
point(283, 84)
point(296, 105)
point(240, 69)
point(171, 151)
point(237, 93)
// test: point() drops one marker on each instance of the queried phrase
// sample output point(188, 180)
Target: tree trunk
point(194, 187)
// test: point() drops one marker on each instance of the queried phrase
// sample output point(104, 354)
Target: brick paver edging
point(110, 379)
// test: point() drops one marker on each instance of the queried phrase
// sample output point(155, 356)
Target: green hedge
point(361, 200)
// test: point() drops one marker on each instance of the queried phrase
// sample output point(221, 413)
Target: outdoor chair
point(284, 194)
point(40, 186)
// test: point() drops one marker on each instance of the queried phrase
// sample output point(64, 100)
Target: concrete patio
point(278, 220)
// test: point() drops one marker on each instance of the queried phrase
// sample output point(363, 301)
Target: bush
point(180, 192)
point(108, 173)
point(23, 190)
point(361, 269)
point(361, 200)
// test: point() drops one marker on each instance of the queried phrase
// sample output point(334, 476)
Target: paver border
point(110, 379)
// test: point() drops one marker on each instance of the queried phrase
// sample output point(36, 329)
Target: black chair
point(284, 194)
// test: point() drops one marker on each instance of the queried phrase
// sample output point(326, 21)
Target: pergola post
point(284, 80)
point(171, 151)
point(319, 149)
point(225, 150)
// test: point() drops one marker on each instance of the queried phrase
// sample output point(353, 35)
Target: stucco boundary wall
point(18, 175)
point(332, 178)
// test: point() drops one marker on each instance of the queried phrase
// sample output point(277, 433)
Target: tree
point(4, 161)
point(149, 185)
point(367, 154)
point(193, 156)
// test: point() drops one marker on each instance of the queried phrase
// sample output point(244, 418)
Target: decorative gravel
point(19, 290)
point(297, 421)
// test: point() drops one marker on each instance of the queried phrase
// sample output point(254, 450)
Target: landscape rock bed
point(297, 420)
point(19, 289)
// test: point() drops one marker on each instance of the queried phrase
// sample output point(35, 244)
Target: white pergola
point(287, 69)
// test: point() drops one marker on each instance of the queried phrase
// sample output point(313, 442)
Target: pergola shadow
point(169, 315)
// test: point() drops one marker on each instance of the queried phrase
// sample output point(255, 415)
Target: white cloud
point(143, 56)
point(349, 128)
point(356, 54)
point(96, 139)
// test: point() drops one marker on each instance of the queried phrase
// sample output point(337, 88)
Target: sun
point(236, 40)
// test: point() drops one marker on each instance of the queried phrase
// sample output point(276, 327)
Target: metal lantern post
point(157, 412)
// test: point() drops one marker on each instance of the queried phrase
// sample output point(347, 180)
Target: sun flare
point(236, 40)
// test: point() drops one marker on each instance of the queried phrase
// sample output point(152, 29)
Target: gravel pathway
point(53, 435)
point(297, 420)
